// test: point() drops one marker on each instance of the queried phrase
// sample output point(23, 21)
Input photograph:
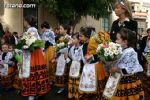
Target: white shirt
point(76, 53)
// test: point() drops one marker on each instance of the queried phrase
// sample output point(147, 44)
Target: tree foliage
point(71, 10)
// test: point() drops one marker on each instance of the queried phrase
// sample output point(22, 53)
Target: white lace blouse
point(129, 62)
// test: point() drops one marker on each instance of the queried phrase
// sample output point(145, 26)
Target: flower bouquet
point(109, 53)
point(62, 44)
point(27, 44)
point(147, 56)
point(30, 42)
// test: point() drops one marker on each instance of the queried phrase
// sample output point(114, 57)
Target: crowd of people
point(50, 66)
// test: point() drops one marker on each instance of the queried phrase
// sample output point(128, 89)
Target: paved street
point(50, 96)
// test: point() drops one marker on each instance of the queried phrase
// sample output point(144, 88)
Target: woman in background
point(122, 10)
point(49, 37)
point(37, 83)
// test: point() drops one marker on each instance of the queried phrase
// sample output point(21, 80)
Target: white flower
point(106, 54)
point(60, 44)
point(99, 47)
point(106, 51)
point(25, 47)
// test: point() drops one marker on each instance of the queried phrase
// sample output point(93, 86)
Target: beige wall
point(44, 15)
point(12, 17)
point(89, 21)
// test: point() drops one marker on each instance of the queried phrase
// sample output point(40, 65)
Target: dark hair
point(31, 20)
point(45, 24)
point(130, 36)
point(67, 27)
point(86, 31)
point(15, 33)
point(148, 30)
point(75, 35)
point(1, 30)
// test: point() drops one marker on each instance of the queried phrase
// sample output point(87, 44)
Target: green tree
point(71, 11)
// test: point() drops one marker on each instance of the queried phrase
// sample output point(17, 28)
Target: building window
point(141, 26)
point(105, 24)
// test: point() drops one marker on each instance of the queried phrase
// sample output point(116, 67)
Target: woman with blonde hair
point(122, 10)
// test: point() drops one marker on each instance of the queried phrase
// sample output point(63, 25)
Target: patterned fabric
point(73, 88)
point(24, 72)
point(8, 79)
point(129, 62)
point(49, 54)
point(17, 81)
point(129, 90)
point(101, 82)
point(88, 79)
point(37, 83)
point(49, 36)
point(61, 81)
point(146, 81)
point(35, 31)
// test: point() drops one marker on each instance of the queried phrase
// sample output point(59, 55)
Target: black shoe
point(39, 97)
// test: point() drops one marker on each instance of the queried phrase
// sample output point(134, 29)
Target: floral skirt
point(73, 88)
point(38, 82)
point(17, 81)
point(146, 81)
point(101, 81)
point(49, 54)
point(129, 88)
point(7, 81)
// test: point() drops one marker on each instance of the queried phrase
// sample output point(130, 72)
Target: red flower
point(105, 45)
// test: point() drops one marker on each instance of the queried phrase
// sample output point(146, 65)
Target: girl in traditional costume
point(100, 74)
point(129, 86)
point(36, 83)
point(49, 37)
point(77, 59)
point(7, 67)
point(62, 69)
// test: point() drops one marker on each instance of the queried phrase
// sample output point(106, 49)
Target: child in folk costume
point(77, 59)
point(84, 37)
point(100, 73)
point(49, 37)
point(6, 67)
point(129, 86)
point(36, 83)
point(62, 68)
point(100, 37)
point(16, 81)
